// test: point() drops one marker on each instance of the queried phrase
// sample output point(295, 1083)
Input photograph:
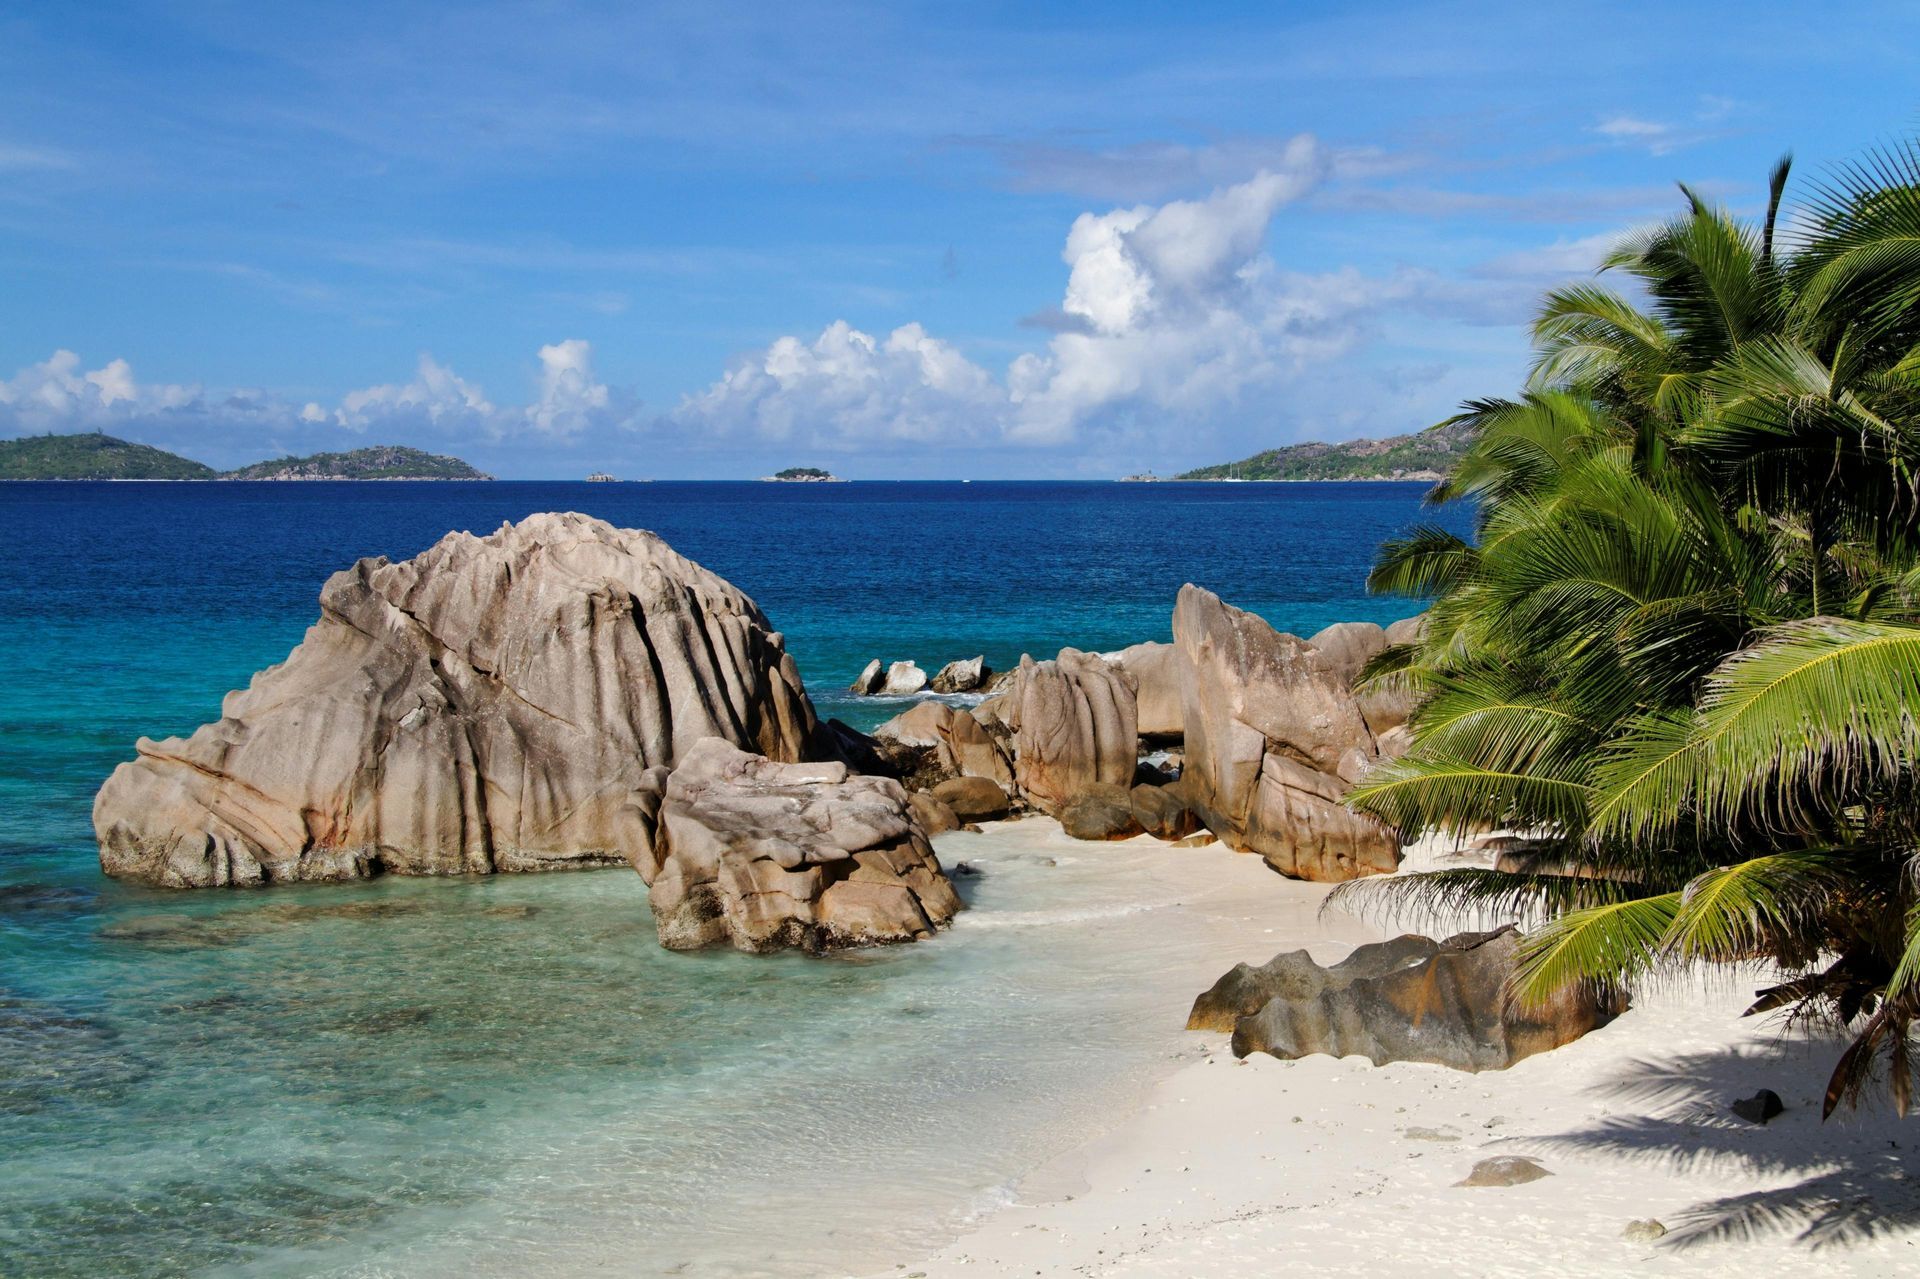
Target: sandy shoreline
point(1336, 1167)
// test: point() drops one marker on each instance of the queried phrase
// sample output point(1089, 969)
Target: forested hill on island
point(93, 457)
point(381, 462)
point(1424, 455)
point(96, 456)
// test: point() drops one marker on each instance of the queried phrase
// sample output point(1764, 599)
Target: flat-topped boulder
point(1273, 738)
point(1408, 999)
point(493, 704)
point(765, 856)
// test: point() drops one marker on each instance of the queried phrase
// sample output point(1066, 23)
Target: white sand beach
point(1336, 1167)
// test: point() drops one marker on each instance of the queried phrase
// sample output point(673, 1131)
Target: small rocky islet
point(564, 694)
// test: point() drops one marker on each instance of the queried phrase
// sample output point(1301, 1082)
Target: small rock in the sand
point(1504, 1170)
point(1048, 861)
point(1760, 1107)
point(1645, 1230)
point(1429, 1134)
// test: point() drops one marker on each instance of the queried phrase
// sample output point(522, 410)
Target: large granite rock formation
point(1074, 724)
point(490, 705)
point(1273, 737)
point(1409, 999)
point(765, 856)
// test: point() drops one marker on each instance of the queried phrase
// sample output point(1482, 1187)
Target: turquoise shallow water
point(490, 1077)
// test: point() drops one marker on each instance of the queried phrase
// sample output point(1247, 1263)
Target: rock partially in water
point(961, 677)
point(764, 856)
point(1408, 999)
point(1273, 738)
point(869, 680)
point(489, 705)
point(1074, 726)
point(904, 679)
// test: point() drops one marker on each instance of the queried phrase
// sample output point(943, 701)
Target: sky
point(894, 240)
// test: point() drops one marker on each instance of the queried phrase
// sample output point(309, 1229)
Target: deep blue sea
point(508, 1076)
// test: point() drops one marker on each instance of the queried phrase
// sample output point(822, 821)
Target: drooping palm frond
point(1428, 793)
point(1615, 942)
point(1786, 730)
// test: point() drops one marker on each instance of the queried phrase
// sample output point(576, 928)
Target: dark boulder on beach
point(1408, 999)
point(765, 856)
point(973, 799)
point(493, 704)
point(1100, 812)
point(1164, 812)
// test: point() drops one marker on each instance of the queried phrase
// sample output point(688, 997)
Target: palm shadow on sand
point(1850, 1180)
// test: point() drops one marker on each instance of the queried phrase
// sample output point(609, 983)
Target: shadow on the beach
point(1850, 1180)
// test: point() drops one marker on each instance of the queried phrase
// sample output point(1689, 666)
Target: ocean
point(508, 1076)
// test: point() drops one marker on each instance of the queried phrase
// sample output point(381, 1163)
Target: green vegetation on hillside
point(1683, 651)
point(1425, 455)
point(92, 457)
point(381, 462)
point(802, 473)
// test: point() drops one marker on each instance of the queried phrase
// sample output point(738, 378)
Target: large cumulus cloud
point(1173, 309)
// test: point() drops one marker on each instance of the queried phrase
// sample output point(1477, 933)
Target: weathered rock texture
point(490, 705)
point(960, 745)
point(1409, 999)
point(1074, 724)
point(764, 856)
point(1156, 672)
point(961, 676)
point(1273, 738)
point(1100, 812)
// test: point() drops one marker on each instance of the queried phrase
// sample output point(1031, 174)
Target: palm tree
point(1682, 649)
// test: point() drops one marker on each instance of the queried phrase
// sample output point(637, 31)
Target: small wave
point(978, 919)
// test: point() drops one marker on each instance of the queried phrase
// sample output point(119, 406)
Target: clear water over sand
point(489, 1077)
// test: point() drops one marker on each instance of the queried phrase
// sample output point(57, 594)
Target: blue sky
point(894, 240)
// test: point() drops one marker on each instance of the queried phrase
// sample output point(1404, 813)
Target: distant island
point(802, 475)
point(380, 462)
point(1424, 455)
point(97, 456)
point(94, 457)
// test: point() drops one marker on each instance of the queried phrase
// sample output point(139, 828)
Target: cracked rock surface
point(763, 856)
point(493, 704)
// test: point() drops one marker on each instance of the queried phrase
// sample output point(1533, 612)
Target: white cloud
point(58, 392)
point(847, 387)
point(570, 399)
point(1631, 127)
point(436, 394)
point(1173, 309)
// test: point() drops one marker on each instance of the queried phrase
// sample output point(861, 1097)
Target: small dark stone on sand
point(1760, 1107)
